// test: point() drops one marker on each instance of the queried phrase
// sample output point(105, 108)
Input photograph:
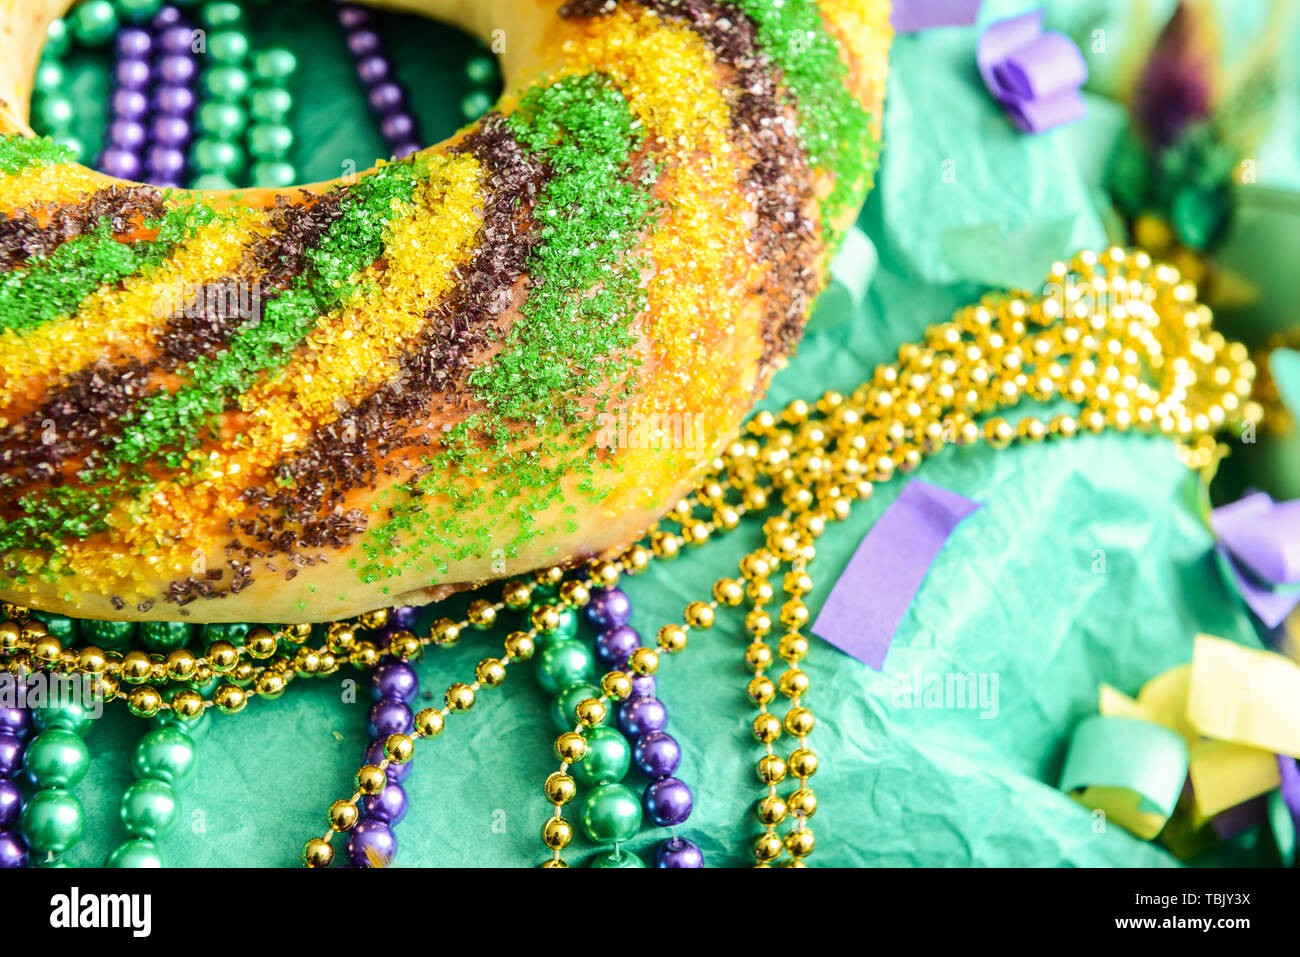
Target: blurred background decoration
point(1203, 173)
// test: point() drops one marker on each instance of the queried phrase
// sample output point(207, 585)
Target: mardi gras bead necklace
point(393, 686)
point(1117, 335)
point(656, 754)
point(384, 92)
point(15, 725)
point(601, 758)
point(219, 121)
point(798, 722)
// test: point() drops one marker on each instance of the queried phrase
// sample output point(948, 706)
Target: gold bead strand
point(798, 721)
point(400, 748)
point(571, 747)
point(760, 690)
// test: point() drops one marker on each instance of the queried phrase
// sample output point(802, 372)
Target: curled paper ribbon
point(1289, 776)
point(1241, 818)
point(1248, 697)
point(1132, 769)
point(911, 16)
point(1259, 540)
point(1284, 811)
point(1036, 76)
point(1284, 825)
point(1233, 708)
point(1226, 776)
point(1263, 535)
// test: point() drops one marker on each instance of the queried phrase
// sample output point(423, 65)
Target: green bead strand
point(563, 663)
point(66, 715)
point(165, 636)
point(55, 113)
point(218, 160)
point(616, 858)
point(270, 139)
point(138, 11)
point(149, 809)
point(481, 70)
point(58, 40)
point(219, 15)
point(165, 761)
point(229, 47)
point(607, 760)
point(56, 759)
point(270, 104)
point(231, 631)
point(93, 23)
point(274, 67)
point(169, 755)
point(222, 121)
point(611, 814)
point(220, 157)
point(273, 174)
point(50, 77)
point(110, 635)
point(60, 626)
point(53, 821)
point(475, 103)
point(564, 704)
point(227, 83)
point(136, 853)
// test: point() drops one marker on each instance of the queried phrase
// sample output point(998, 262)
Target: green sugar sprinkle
point(18, 152)
point(163, 419)
point(56, 284)
point(586, 287)
point(834, 127)
point(332, 274)
point(60, 513)
point(569, 342)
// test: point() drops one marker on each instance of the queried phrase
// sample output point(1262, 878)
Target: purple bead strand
point(15, 725)
point(393, 686)
point(384, 92)
point(127, 133)
point(176, 72)
point(150, 110)
point(667, 800)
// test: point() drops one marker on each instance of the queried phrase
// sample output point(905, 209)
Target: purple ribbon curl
point(1035, 76)
point(1261, 540)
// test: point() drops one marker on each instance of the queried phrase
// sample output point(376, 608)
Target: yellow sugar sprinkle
point(697, 298)
point(125, 317)
point(350, 353)
point(666, 72)
point(864, 34)
point(41, 184)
